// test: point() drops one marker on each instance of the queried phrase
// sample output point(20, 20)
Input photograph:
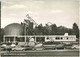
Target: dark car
point(68, 46)
point(3, 49)
point(29, 48)
point(18, 48)
point(7, 48)
point(49, 45)
point(60, 46)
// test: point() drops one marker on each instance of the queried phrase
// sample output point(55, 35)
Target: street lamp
point(26, 24)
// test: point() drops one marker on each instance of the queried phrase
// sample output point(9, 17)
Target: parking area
point(39, 46)
point(42, 53)
point(46, 49)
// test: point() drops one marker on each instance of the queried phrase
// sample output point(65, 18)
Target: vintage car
point(60, 46)
point(49, 45)
point(75, 47)
point(13, 45)
point(68, 46)
point(18, 48)
point(39, 46)
point(3, 45)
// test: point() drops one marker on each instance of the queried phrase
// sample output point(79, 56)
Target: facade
point(40, 38)
point(15, 33)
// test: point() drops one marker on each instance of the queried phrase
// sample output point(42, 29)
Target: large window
point(27, 39)
point(40, 39)
point(47, 38)
point(67, 38)
point(61, 38)
point(7, 39)
point(11, 39)
point(57, 38)
point(20, 39)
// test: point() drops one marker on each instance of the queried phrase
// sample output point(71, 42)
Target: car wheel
point(23, 50)
point(14, 49)
point(55, 48)
point(64, 48)
point(33, 49)
point(74, 48)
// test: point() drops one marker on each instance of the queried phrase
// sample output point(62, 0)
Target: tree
point(1, 34)
point(61, 30)
point(48, 29)
point(53, 29)
point(76, 30)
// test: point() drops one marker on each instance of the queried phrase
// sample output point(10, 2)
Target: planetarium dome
point(13, 29)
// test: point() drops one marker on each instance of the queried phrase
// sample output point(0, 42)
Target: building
point(40, 38)
point(15, 33)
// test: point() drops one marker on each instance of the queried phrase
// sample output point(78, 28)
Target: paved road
point(43, 53)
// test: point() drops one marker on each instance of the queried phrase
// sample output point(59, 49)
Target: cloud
point(7, 2)
point(17, 6)
point(4, 7)
point(57, 11)
point(12, 14)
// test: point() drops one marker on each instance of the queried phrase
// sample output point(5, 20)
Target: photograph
point(39, 28)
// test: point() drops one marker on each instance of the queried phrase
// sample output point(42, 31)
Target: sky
point(63, 13)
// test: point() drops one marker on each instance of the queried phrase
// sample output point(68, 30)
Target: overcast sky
point(59, 12)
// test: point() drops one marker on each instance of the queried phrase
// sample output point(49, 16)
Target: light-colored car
point(13, 45)
point(3, 45)
point(18, 48)
point(60, 46)
point(75, 47)
point(39, 47)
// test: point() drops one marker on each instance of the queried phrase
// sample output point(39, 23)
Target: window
point(47, 38)
point(61, 37)
point(67, 38)
point(20, 39)
point(57, 38)
point(27, 39)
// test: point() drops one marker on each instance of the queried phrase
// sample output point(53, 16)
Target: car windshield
point(46, 43)
point(18, 46)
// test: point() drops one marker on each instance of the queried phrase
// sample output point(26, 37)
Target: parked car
point(68, 46)
point(75, 47)
point(39, 46)
point(18, 48)
point(60, 46)
point(49, 45)
point(3, 45)
point(8, 48)
point(2, 49)
point(29, 48)
point(13, 45)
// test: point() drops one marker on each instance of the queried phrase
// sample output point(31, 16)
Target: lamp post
point(26, 24)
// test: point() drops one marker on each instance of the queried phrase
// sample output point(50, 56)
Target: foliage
point(47, 30)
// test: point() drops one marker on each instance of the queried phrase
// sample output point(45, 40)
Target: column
point(25, 38)
point(4, 39)
point(14, 39)
point(35, 39)
point(45, 38)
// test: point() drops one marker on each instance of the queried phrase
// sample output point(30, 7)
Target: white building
point(40, 38)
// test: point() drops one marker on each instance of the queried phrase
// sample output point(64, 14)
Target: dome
point(13, 29)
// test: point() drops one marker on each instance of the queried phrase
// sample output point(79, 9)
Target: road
point(47, 53)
